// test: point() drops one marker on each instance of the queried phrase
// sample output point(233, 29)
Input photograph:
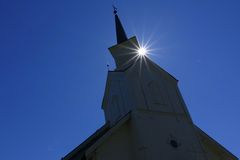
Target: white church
point(146, 117)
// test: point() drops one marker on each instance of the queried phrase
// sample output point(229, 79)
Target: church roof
point(79, 153)
point(93, 141)
point(205, 138)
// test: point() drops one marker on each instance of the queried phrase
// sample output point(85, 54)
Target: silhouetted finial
point(114, 9)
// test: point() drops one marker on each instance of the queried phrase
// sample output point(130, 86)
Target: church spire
point(121, 35)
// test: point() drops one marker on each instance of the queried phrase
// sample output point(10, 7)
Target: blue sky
point(53, 57)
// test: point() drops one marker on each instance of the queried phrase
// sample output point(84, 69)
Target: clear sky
point(53, 57)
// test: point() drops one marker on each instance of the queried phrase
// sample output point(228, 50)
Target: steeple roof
point(120, 33)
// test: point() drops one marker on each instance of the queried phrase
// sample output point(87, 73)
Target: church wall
point(154, 89)
point(156, 131)
point(149, 88)
point(116, 147)
point(161, 90)
point(118, 99)
point(147, 135)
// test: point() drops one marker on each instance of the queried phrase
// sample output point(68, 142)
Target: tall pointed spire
point(121, 35)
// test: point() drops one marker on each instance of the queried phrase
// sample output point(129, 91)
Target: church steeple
point(120, 33)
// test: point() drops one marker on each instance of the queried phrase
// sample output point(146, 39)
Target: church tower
point(146, 117)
